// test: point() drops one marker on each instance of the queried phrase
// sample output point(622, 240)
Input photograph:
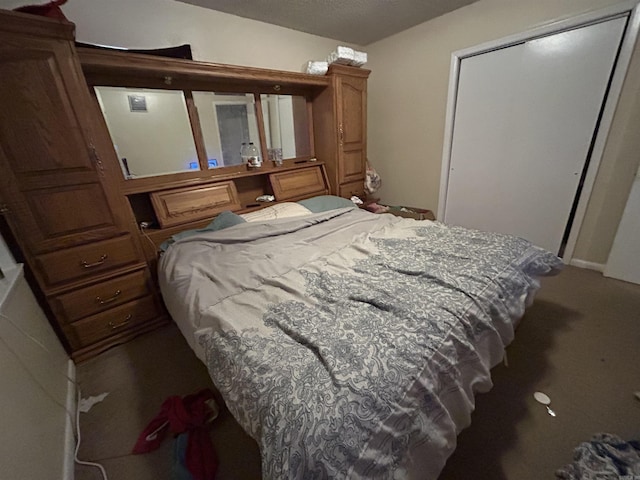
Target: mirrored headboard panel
point(286, 124)
point(227, 121)
point(174, 121)
point(150, 130)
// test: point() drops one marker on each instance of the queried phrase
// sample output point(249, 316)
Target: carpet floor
point(579, 343)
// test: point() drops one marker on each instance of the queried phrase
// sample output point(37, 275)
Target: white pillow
point(279, 210)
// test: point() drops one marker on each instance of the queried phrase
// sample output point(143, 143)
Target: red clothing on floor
point(189, 414)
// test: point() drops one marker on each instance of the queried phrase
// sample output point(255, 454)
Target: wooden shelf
point(153, 184)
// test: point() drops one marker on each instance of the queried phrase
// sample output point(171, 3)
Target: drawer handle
point(108, 300)
point(341, 132)
point(85, 264)
point(115, 326)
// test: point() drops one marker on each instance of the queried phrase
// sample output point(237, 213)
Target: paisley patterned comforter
point(348, 344)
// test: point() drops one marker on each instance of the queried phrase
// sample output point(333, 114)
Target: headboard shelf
point(152, 184)
point(169, 210)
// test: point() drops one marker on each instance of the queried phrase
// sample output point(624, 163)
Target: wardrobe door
point(525, 118)
point(52, 181)
point(352, 127)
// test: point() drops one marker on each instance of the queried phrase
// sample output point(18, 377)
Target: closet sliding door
point(525, 119)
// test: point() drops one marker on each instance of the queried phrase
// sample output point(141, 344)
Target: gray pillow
point(224, 220)
point(322, 203)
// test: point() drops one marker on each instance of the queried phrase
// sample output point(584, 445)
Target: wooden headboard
point(173, 210)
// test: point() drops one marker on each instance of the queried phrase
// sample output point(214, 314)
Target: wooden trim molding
point(175, 71)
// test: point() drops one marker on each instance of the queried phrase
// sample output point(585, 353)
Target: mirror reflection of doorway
point(233, 125)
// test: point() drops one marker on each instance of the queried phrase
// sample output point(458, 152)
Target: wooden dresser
point(88, 232)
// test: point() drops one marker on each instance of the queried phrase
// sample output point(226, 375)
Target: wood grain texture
point(87, 260)
point(184, 205)
point(347, 190)
point(102, 325)
point(103, 296)
point(306, 182)
point(182, 72)
point(340, 126)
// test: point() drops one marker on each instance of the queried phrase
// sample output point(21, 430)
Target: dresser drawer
point(86, 260)
point(301, 183)
point(97, 298)
point(347, 190)
point(113, 321)
point(184, 205)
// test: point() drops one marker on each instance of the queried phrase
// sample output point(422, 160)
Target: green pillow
point(224, 220)
point(322, 203)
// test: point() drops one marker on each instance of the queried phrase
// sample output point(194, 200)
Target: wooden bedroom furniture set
point(76, 218)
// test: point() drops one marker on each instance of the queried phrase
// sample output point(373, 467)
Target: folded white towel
point(317, 68)
point(341, 55)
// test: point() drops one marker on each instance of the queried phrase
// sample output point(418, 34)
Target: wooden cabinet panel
point(298, 183)
point(114, 321)
point(348, 190)
point(352, 109)
point(87, 260)
point(340, 126)
point(59, 217)
point(352, 117)
point(47, 119)
point(103, 296)
point(53, 180)
point(184, 205)
point(65, 216)
point(353, 166)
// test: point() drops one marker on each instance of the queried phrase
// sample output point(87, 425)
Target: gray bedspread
point(348, 344)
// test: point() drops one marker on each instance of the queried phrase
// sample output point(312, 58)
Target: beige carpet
point(579, 343)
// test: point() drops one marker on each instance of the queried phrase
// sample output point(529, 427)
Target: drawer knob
point(115, 326)
point(85, 264)
point(108, 300)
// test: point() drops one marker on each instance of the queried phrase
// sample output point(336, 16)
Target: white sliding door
point(525, 118)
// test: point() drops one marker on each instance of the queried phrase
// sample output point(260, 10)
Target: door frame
point(630, 8)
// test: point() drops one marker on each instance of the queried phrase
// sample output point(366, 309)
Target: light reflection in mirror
point(286, 125)
point(227, 120)
point(150, 130)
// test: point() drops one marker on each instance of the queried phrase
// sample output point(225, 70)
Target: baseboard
point(68, 468)
point(599, 267)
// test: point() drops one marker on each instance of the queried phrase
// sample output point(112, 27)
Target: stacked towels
point(342, 56)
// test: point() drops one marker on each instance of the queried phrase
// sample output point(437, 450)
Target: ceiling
point(351, 21)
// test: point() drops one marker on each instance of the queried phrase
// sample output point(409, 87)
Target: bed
point(350, 344)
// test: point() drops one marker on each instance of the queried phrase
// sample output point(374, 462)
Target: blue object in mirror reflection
point(212, 163)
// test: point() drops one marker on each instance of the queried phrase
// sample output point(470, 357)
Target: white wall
point(36, 434)
point(214, 36)
point(408, 91)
